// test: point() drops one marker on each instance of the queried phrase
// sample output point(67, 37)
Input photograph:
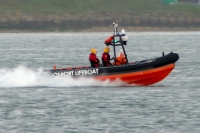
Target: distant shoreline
point(141, 29)
point(109, 29)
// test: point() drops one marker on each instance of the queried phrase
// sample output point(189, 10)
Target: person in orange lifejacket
point(94, 61)
point(106, 57)
point(120, 59)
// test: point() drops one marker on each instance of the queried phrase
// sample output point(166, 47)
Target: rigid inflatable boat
point(145, 72)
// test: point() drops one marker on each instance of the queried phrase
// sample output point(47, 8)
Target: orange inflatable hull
point(144, 77)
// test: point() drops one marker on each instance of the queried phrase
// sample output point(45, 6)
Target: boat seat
point(104, 63)
point(92, 64)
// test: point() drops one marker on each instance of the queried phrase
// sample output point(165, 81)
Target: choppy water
point(33, 102)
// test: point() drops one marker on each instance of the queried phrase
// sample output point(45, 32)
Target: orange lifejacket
point(120, 60)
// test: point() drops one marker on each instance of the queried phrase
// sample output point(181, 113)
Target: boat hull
point(145, 77)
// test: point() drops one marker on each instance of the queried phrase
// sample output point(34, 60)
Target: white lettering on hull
point(76, 73)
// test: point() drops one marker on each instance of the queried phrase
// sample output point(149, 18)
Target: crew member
point(94, 61)
point(120, 59)
point(106, 57)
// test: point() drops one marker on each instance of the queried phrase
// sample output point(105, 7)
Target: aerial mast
point(115, 33)
point(115, 28)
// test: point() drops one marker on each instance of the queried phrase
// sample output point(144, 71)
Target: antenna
point(115, 25)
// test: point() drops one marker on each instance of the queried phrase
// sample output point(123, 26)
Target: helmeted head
point(93, 50)
point(106, 50)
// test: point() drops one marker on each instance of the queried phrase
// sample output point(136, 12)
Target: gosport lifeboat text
point(75, 72)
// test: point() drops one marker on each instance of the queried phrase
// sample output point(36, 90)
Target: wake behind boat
point(145, 72)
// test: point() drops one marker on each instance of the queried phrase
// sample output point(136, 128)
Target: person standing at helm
point(106, 57)
point(94, 61)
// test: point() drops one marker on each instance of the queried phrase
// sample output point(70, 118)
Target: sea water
point(31, 101)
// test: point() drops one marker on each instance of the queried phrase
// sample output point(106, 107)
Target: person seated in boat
point(94, 61)
point(106, 57)
point(120, 59)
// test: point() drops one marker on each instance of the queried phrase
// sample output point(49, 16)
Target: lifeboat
point(142, 73)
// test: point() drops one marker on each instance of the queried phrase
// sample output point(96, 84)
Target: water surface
point(33, 102)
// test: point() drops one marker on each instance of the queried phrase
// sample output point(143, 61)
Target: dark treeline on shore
point(81, 24)
point(67, 15)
